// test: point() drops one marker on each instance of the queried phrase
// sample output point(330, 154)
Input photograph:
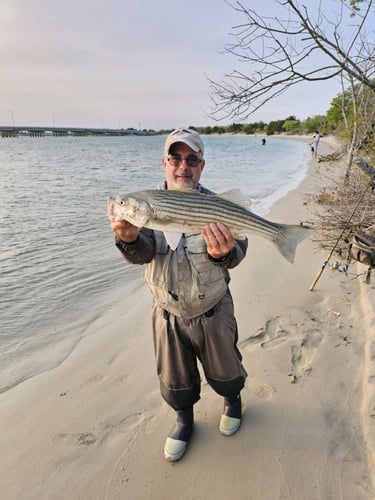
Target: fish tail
point(288, 237)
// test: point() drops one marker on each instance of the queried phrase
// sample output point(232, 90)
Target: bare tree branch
point(282, 52)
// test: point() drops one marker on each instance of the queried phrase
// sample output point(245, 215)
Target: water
point(59, 268)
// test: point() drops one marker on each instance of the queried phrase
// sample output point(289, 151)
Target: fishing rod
point(369, 171)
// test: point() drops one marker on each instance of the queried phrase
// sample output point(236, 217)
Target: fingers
point(124, 230)
point(219, 240)
point(119, 224)
point(218, 233)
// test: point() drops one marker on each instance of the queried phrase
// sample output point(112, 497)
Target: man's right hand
point(125, 231)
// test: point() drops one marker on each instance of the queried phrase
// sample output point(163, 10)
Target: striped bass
point(188, 211)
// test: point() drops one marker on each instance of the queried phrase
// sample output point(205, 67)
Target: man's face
point(178, 173)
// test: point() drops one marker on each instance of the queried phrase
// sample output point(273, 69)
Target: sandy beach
point(94, 428)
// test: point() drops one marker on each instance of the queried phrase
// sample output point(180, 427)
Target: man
point(315, 144)
point(192, 316)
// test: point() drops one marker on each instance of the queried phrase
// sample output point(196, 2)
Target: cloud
point(126, 61)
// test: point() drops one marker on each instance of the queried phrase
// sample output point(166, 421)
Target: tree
point(292, 126)
point(249, 128)
point(235, 128)
point(275, 126)
point(339, 108)
point(279, 52)
point(318, 122)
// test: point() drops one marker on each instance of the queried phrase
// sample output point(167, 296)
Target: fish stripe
point(193, 208)
point(190, 211)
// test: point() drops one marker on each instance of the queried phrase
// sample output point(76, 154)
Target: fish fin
point(240, 236)
point(235, 196)
point(173, 239)
point(288, 238)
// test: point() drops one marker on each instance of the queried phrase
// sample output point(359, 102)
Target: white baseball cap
point(187, 136)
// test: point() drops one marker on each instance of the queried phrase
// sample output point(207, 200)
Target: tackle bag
point(362, 248)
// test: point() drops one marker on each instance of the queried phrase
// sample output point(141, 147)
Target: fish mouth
point(112, 209)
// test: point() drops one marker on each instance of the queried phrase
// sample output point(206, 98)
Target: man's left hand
point(219, 240)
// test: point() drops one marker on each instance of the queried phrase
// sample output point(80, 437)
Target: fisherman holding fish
point(192, 314)
point(189, 238)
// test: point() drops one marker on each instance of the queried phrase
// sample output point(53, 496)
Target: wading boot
point(231, 418)
point(177, 440)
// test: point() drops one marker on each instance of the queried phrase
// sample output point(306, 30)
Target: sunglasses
point(191, 160)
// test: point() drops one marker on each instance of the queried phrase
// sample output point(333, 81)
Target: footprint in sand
point(303, 354)
point(306, 334)
point(263, 391)
point(270, 336)
point(109, 428)
point(84, 438)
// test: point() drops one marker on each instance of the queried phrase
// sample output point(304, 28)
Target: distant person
point(314, 144)
point(263, 141)
point(192, 315)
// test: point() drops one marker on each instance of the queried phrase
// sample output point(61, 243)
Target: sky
point(121, 63)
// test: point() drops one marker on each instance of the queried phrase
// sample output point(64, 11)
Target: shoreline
point(94, 427)
point(52, 351)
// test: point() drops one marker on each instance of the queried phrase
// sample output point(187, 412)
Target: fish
point(188, 211)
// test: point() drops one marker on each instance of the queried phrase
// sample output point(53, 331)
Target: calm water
point(59, 269)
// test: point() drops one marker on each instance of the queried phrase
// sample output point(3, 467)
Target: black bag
point(362, 248)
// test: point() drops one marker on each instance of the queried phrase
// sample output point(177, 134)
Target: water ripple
point(59, 268)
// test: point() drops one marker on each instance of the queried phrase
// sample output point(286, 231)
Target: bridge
point(13, 131)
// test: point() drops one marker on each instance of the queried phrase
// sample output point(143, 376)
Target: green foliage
point(340, 104)
point(235, 128)
point(318, 122)
point(275, 127)
point(292, 126)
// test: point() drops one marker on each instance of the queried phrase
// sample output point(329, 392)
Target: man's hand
point(219, 240)
point(124, 230)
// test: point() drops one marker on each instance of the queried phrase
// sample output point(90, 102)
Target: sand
point(94, 428)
